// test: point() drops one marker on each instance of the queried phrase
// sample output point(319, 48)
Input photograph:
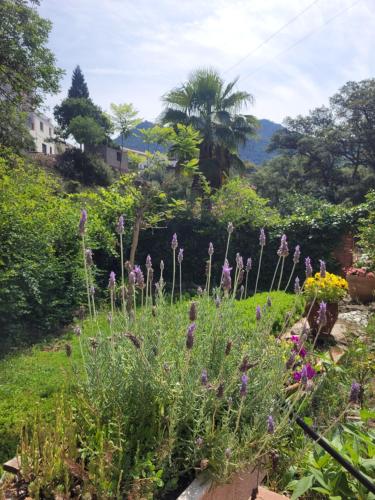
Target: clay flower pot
point(312, 318)
point(361, 288)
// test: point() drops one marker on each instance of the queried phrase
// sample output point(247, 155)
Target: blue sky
point(136, 50)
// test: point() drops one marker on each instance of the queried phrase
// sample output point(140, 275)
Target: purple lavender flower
point(292, 359)
point(322, 314)
point(230, 228)
point(120, 225)
point(180, 256)
point(204, 377)
point(283, 250)
point(258, 313)
point(308, 266)
point(148, 262)
point(239, 261)
point(262, 238)
point(89, 259)
point(193, 311)
point(220, 390)
point(243, 389)
point(82, 222)
point(270, 424)
point(139, 277)
point(112, 281)
point(190, 336)
point(297, 288)
point(323, 269)
point(227, 280)
point(132, 278)
point(249, 264)
point(297, 254)
point(174, 243)
point(305, 374)
point(355, 391)
point(210, 249)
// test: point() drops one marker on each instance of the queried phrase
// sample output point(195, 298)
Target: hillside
point(254, 150)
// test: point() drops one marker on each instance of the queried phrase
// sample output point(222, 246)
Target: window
point(50, 150)
point(44, 148)
point(118, 155)
point(41, 126)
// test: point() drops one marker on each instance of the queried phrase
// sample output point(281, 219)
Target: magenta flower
point(120, 225)
point(210, 249)
point(180, 256)
point(323, 269)
point(308, 266)
point(82, 222)
point(305, 374)
point(227, 280)
point(243, 389)
point(112, 281)
point(283, 250)
point(294, 339)
point(174, 243)
point(262, 238)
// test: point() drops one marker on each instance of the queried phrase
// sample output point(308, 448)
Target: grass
point(32, 379)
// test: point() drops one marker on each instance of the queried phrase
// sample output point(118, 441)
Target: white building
point(43, 132)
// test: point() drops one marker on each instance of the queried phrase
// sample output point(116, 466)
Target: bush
point(40, 268)
point(89, 170)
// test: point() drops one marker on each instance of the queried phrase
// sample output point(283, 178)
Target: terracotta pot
point(361, 288)
point(312, 318)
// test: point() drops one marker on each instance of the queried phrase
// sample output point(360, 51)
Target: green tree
point(86, 130)
point(125, 120)
point(212, 108)
point(79, 87)
point(27, 68)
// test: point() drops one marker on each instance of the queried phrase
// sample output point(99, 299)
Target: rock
point(266, 494)
point(13, 466)
point(336, 353)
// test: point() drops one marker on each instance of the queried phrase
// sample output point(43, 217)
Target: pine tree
point(79, 86)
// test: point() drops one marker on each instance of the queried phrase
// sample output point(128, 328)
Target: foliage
point(153, 402)
point(78, 88)
point(332, 147)
point(367, 229)
point(320, 473)
point(86, 130)
point(88, 170)
point(28, 68)
point(238, 202)
point(40, 278)
point(124, 119)
point(212, 107)
point(328, 288)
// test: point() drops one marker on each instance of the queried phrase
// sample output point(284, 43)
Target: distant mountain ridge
point(255, 150)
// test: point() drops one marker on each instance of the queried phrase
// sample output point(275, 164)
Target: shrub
point(87, 169)
point(40, 272)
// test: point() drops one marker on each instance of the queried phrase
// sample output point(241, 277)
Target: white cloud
point(135, 51)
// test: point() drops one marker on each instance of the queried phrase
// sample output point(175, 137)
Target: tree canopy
point(212, 107)
point(79, 87)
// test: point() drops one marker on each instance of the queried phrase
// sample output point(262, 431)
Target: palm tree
point(213, 109)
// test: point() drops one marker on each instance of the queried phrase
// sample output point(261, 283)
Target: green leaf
point(302, 486)
point(367, 414)
point(308, 420)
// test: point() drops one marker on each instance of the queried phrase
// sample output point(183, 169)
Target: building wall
point(42, 131)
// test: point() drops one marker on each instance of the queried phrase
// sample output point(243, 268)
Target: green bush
point(89, 170)
point(40, 257)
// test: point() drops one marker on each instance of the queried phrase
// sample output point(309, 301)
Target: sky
point(137, 50)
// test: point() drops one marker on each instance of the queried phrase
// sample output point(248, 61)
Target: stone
point(337, 352)
point(266, 494)
point(13, 466)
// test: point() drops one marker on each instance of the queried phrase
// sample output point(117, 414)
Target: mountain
point(254, 150)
